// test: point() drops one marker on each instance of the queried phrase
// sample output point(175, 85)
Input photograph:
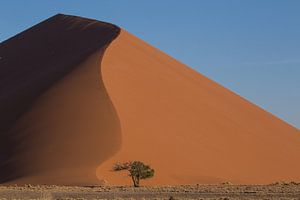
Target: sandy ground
point(221, 191)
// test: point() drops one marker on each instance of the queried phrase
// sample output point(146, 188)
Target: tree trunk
point(135, 181)
point(138, 181)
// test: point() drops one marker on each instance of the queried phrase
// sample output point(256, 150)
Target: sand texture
point(286, 191)
point(78, 95)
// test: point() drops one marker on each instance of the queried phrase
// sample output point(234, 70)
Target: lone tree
point(137, 170)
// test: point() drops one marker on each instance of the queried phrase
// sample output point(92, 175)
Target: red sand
point(138, 104)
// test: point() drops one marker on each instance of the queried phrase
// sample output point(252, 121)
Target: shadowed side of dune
point(57, 121)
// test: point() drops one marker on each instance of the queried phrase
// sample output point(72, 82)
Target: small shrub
point(137, 171)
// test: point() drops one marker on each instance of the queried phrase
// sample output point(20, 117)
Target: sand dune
point(72, 105)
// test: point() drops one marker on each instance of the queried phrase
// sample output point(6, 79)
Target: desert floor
point(222, 191)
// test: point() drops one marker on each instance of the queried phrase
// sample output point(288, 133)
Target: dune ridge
point(87, 94)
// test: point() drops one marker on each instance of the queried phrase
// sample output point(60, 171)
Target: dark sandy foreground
point(223, 191)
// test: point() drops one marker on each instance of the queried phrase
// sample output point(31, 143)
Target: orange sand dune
point(67, 117)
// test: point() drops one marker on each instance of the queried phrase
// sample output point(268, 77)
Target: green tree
point(137, 171)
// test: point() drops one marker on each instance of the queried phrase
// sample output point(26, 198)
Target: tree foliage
point(137, 171)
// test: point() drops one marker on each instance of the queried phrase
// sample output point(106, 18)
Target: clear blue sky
point(250, 46)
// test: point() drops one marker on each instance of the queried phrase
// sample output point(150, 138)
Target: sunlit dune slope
point(78, 95)
point(190, 129)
